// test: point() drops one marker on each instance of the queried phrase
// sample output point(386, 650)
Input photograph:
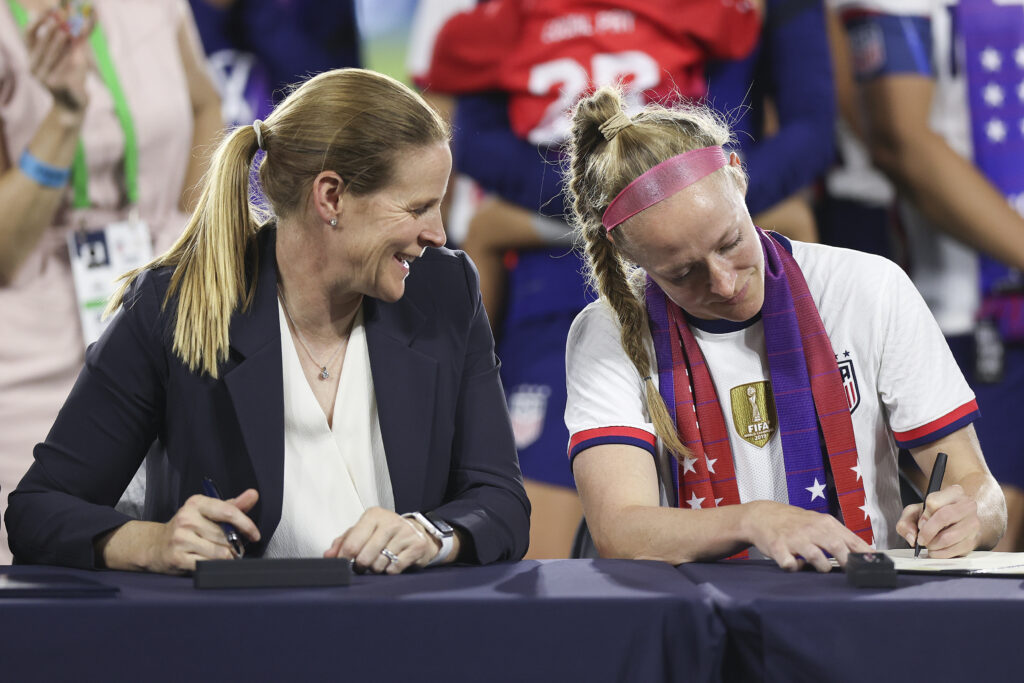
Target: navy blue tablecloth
point(565, 620)
point(806, 626)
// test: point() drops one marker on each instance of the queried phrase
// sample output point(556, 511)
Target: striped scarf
point(808, 392)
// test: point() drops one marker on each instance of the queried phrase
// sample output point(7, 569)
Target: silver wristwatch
point(439, 529)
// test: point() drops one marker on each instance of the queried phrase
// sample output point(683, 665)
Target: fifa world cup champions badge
point(753, 412)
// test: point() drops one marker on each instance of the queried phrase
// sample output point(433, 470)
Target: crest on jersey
point(867, 48)
point(849, 377)
point(753, 412)
point(527, 407)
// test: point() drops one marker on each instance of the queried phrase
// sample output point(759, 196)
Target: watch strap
point(447, 540)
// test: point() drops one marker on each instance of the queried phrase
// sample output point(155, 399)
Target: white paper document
point(978, 562)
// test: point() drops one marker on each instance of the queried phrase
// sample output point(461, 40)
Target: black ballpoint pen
point(230, 532)
point(934, 484)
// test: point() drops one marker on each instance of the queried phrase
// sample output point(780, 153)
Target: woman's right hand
point(194, 534)
point(59, 60)
point(794, 537)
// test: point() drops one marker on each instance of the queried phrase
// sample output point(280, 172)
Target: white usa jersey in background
point(945, 271)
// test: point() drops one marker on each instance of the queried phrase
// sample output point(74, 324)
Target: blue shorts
point(546, 292)
point(1000, 410)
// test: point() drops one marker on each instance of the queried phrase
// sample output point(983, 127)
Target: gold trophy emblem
point(753, 412)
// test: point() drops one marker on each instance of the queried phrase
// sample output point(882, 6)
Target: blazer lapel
point(404, 380)
point(256, 386)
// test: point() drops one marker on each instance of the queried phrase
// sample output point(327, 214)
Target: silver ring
point(390, 555)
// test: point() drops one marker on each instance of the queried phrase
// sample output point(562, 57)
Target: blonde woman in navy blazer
point(354, 171)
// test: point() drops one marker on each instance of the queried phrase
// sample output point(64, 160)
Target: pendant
point(323, 373)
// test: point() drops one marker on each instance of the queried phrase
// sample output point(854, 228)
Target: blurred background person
point(856, 206)
point(104, 134)
point(253, 73)
point(943, 96)
point(780, 99)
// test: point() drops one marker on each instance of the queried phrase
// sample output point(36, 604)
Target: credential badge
point(753, 412)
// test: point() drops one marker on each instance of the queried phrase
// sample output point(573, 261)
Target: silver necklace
point(324, 374)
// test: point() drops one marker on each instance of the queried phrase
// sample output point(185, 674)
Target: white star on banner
point(718, 500)
point(688, 465)
point(694, 501)
point(993, 95)
point(1020, 91)
point(995, 130)
point(711, 465)
point(1018, 56)
point(816, 491)
point(864, 508)
point(856, 469)
point(990, 59)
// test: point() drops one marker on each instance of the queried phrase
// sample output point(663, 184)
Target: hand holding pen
point(231, 534)
point(195, 533)
point(947, 523)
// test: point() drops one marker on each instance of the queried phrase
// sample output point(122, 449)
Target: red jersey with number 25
point(548, 53)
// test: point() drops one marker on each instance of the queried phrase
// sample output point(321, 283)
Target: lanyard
point(105, 65)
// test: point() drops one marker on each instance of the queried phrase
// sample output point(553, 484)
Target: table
point(806, 626)
point(559, 620)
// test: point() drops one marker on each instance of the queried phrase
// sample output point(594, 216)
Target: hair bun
point(613, 124)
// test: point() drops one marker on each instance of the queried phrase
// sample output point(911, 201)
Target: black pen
point(934, 484)
point(230, 532)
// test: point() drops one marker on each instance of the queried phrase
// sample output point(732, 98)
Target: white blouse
point(331, 474)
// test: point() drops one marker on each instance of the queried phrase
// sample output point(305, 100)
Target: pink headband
point(663, 181)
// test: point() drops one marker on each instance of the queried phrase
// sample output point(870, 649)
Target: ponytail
point(209, 277)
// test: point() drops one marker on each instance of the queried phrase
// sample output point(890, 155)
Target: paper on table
point(978, 562)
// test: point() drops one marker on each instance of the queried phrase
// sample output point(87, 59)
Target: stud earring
point(334, 222)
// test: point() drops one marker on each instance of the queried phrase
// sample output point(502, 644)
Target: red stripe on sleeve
point(936, 425)
point(629, 432)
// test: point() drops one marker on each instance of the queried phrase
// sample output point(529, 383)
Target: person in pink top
point(106, 111)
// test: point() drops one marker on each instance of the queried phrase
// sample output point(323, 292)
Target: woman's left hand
point(379, 530)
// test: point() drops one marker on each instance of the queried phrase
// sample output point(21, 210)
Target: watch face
point(444, 527)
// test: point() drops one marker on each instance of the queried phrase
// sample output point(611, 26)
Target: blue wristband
point(43, 173)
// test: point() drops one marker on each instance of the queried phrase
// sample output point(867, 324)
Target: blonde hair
point(605, 155)
point(351, 121)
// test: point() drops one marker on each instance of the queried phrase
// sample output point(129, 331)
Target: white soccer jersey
point(903, 385)
point(944, 270)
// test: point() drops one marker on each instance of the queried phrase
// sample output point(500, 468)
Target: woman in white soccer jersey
point(783, 376)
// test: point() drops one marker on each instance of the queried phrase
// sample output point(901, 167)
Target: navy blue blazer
point(442, 411)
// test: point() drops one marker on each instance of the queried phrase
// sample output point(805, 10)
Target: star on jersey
point(688, 465)
point(694, 501)
point(856, 469)
point(864, 508)
point(1018, 56)
point(1021, 124)
point(711, 465)
point(990, 59)
point(1020, 91)
point(718, 500)
point(817, 490)
point(995, 130)
point(993, 95)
